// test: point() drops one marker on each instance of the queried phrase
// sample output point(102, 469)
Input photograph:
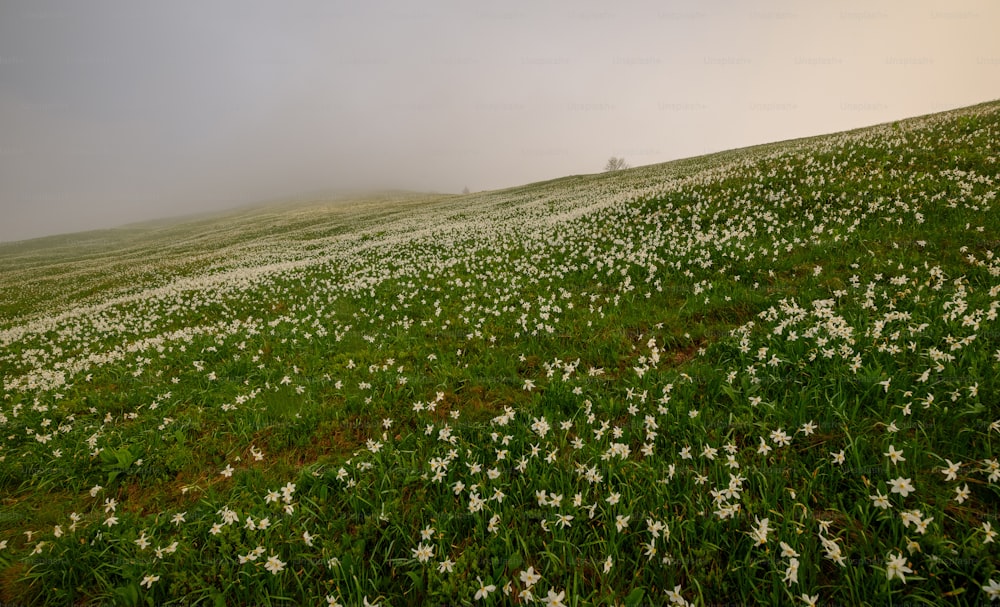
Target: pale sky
point(115, 112)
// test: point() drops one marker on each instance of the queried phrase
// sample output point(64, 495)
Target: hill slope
point(764, 373)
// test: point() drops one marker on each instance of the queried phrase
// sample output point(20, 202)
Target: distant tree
point(465, 190)
point(615, 164)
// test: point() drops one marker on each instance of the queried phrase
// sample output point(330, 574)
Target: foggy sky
point(113, 112)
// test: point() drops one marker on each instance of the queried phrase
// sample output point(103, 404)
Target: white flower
point(962, 493)
point(555, 600)
point(950, 471)
point(228, 516)
point(423, 552)
point(274, 565)
point(675, 596)
point(764, 448)
point(988, 530)
point(484, 590)
point(787, 551)
point(792, 573)
point(894, 455)
point(992, 590)
point(529, 578)
point(148, 580)
point(760, 533)
point(780, 438)
point(902, 486)
point(896, 567)
point(880, 500)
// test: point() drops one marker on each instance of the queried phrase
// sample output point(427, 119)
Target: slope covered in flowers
point(768, 374)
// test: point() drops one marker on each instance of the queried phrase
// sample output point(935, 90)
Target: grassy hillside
point(763, 375)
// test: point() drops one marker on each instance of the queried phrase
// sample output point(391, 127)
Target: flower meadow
point(762, 376)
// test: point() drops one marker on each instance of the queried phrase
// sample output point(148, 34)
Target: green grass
point(669, 355)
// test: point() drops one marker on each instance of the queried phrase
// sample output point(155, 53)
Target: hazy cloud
point(112, 112)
